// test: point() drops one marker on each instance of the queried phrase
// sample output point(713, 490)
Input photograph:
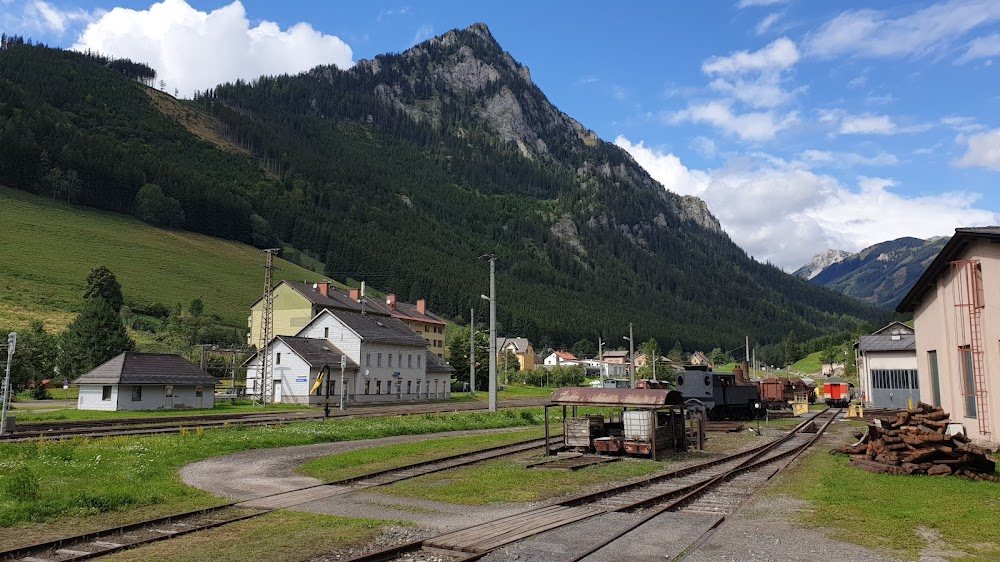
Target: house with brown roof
point(425, 323)
point(956, 314)
point(145, 381)
point(557, 358)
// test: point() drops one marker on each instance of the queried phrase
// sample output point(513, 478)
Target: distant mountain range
point(881, 274)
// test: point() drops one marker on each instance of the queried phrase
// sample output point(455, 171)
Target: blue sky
point(804, 125)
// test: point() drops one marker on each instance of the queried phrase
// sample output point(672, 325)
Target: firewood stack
point(915, 443)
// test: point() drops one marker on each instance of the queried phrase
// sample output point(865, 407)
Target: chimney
point(323, 288)
point(390, 300)
point(355, 294)
point(738, 374)
point(422, 306)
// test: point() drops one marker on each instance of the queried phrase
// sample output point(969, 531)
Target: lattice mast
point(967, 289)
point(266, 370)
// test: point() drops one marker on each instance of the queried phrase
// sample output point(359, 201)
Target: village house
point(522, 350)
point(563, 358)
point(145, 381)
point(385, 361)
point(956, 311)
point(699, 358)
point(422, 321)
point(616, 357)
point(887, 367)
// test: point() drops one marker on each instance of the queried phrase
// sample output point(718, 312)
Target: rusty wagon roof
point(638, 398)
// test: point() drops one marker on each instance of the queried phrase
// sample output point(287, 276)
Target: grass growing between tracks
point(285, 536)
point(509, 481)
point(888, 512)
point(356, 463)
point(222, 408)
point(72, 484)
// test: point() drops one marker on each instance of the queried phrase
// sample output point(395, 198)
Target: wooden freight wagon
point(646, 422)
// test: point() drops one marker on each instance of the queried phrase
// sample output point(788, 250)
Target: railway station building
point(956, 312)
point(145, 381)
point(887, 367)
point(385, 362)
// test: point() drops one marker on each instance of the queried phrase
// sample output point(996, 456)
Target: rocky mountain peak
point(821, 261)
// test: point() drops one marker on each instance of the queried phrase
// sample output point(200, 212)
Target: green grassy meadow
point(83, 484)
point(47, 249)
point(888, 512)
point(28, 417)
point(810, 364)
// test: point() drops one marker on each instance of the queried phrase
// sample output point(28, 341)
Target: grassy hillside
point(48, 248)
point(810, 364)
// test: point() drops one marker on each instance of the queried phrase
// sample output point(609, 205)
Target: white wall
point(339, 334)
point(90, 398)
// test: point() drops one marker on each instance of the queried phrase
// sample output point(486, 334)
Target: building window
point(106, 392)
point(390, 360)
point(968, 381)
point(277, 359)
point(168, 391)
point(418, 361)
point(378, 387)
point(409, 361)
point(199, 391)
point(399, 362)
point(326, 332)
point(418, 388)
point(136, 393)
point(368, 360)
point(935, 376)
point(378, 360)
point(409, 387)
point(368, 385)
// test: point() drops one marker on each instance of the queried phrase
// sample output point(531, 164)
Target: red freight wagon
point(776, 393)
point(837, 392)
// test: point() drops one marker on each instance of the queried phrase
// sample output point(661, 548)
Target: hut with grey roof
point(145, 381)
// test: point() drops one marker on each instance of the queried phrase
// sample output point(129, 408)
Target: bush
point(39, 393)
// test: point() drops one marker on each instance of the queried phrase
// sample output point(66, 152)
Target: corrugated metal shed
point(622, 397)
point(902, 342)
point(147, 368)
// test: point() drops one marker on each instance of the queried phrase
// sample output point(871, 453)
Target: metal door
point(277, 391)
point(168, 396)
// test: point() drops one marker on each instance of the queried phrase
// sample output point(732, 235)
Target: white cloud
point(195, 50)
point(981, 48)
point(666, 168)
point(872, 33)
point(424, 32)
point(827, 159)
point(962, 124)
point(754, 78)
point(704, 146)
point(768, 22)
point(983, 151)
point(42, 17)
point(845, 123)
point(754, 3)
point(751, 126)
point(778, 55)
point(383, 14)
point(784, 213)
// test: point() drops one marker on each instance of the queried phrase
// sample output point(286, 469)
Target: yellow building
point(296, 303)
point(521, 348)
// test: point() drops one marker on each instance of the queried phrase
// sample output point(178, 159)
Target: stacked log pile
point(916, 442)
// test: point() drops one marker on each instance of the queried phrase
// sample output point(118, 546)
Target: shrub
point(22, 485)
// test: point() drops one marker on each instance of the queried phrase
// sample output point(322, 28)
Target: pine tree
point(95, 336)
point(102, 284)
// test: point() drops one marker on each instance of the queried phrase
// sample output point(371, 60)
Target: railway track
point(152, 426)
point(107, 541)
point(711, 486)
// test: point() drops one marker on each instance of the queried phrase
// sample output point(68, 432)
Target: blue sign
point(301, 379)
point(396, 374)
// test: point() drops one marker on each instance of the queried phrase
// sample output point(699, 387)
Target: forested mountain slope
point(881, 274)
point(404, 170)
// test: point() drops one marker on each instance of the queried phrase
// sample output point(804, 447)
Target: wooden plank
point(455, 538)
point(511, 537)
point(518, 528)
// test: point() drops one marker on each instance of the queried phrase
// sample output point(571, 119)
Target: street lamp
point(631, 357)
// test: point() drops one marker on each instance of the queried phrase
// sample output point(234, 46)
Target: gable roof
point(896, 326)
point(316, 352)
point(437, 365)
point(132, 367)
point(951, 252)
point(379, 329)
point(409, 311)
point(521, 345)
point(565, 355)
point(886, 342)
point(616, 353)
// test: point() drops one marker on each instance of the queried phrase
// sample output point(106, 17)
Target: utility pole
point(493, 333)
point(600, 349)
point(343, 383)
point(266, 326)
point(11, 343)
point(631, 358)
point(472, 351)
